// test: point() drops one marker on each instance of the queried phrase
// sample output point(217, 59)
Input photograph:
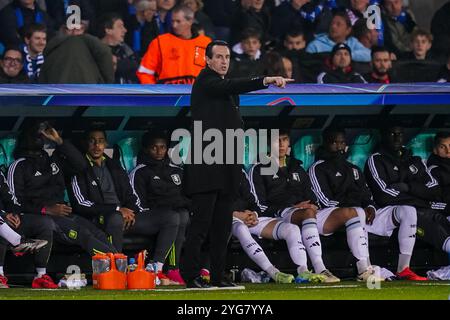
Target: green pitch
point(398, 290)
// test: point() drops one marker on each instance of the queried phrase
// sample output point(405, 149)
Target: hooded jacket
point(337, 182)
point(323, 43)
point(37, 180)
point(289, 186)
point(158, 184)
point(401, 179)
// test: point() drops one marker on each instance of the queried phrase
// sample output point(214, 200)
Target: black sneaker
point(29, 246)
point(197, 283)
point(224, 284)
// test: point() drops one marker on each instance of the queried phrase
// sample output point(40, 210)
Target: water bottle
point(265, 278)
point(132, 266)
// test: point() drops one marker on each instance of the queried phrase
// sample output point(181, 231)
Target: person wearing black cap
point(339, 67)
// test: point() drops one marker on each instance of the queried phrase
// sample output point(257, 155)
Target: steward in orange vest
point(175, 58)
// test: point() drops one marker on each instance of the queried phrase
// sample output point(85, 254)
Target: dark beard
point(379, 74)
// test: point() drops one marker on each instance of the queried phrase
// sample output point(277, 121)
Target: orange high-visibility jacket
point(170, 59)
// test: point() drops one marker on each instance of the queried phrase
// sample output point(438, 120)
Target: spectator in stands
point(396, 177)
point(11, 67)
point(175, 58)
point(440, 28)
point(112, 33)
point(37, 183)
point(162, 199)
point(201, 18)
point(253, 15)
point(339, 32)
point(398, 25)
point(246, 222)
point(57, 9)
point(421, 42)
point(444, 73)
point(82, 59)
point(340, 184)
point(367, 37)
point(142, 27)
point(288, 195)
point(124, 8)
point(287, 17)
point(357, 9)
point(221, 13)
point(247, 55)
point(439, 165)
point(29, 225)
point(75, 30)
point(17, 16)
point(294, 53)
point(103, 194)
point(339, 67)
point(35, 36)
point(381, 66)
point(164, 15)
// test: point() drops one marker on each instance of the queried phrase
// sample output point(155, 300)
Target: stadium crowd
point(163, 41)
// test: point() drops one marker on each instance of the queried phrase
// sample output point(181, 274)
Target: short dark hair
point(11, 48)
point(107, 22)
point(88, 132)
point(331, 133)
point(440, 135)
point(360, 28)
point(294, 33)
point(343, 14)
point(209, 48)
point(32, 28)
point(376, 49)
point(284, 132)
point(250, 33)
point(149, 137)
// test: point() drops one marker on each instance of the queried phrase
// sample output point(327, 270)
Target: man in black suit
point(215, 103)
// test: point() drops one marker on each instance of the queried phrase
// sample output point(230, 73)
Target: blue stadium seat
point(422, 144)
point(361, 148)
point(305, 147)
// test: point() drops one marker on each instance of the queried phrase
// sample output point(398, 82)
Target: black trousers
point(76, 230)
point(432, 227)
point(36, 227)
point(212, 214)
point(160, 222)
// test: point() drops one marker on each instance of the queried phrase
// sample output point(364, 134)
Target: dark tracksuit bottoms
point(37, 227)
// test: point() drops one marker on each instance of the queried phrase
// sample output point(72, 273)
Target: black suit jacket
point(215, 102)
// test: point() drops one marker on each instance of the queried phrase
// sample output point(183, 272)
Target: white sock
point(291, 234)
point(251, 247)
point(357, 243)
point(362, 219)
point(41, 272)
point(272, 271)
point(2, 273)
point(311, 240)
point(406, 216)
point(159, 266)
point(446, 245)
point(9, 234)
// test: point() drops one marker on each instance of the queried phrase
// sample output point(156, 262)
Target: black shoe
point(224, 284)
point(198, 283)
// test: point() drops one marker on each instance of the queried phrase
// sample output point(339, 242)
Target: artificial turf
point(347, 290)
